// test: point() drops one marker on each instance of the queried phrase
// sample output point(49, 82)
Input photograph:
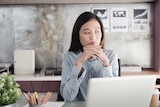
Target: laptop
point(133, 91)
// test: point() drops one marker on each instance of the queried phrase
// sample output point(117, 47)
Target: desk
point(74, 104)
point(144, 72)
point(58, 78)
point(23, 102)
point(37, 77)
point(155, 97)
point(38, 82)
point(41, 77)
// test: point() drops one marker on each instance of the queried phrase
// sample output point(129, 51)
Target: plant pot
point(10, 105)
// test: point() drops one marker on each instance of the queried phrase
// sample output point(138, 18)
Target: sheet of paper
point(119, 20)
point(51, 104)
point(103, 14)
point(140, 21)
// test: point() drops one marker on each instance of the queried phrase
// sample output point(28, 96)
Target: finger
point(94, 56)
point(98, 47)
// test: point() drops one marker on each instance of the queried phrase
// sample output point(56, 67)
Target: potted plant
point(9, 90)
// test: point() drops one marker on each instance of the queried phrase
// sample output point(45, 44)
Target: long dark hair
point(82, 19)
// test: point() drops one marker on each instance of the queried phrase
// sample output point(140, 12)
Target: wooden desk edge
point(144, 72)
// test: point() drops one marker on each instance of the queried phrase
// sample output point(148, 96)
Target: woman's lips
point(92, 43)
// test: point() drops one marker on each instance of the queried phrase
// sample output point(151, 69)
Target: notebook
point(134, 91)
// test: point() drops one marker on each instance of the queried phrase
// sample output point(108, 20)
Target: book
point(131, 68)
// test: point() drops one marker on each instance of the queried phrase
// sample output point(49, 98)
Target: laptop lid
point(135, 91)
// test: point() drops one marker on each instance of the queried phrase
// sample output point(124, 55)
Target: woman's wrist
point(79, 65)
point(81, 71)
point(105, 63)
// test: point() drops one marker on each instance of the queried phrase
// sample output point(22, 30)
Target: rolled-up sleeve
point(111, 70)
point(70, 82)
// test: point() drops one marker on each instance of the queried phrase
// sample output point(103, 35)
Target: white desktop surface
point(50, 104)
point(37, 77)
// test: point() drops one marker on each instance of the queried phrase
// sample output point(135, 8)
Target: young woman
point(86, 58)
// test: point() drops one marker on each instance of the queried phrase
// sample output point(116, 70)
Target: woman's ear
point(103, 40)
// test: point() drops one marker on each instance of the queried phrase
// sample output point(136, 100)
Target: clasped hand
point(93, 51)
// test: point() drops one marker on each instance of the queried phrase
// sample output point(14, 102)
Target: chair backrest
point(119, 70)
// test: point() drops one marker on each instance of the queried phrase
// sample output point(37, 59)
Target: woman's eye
point(87, 33)
point(97, 31)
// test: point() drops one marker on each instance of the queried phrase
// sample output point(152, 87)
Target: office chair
point(60, 98)
point(119, 70)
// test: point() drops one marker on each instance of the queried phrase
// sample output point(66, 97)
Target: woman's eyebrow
point(90, 29)
point(86, 29)
point(97, 28)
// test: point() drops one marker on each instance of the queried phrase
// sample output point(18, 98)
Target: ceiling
point(70, 1)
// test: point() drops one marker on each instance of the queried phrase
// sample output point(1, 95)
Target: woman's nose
point(93, 36)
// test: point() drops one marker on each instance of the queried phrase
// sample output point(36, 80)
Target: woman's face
point(90, 33)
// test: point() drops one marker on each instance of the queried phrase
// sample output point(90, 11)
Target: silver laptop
point(135, 91)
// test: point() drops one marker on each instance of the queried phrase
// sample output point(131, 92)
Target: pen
point(36, 96)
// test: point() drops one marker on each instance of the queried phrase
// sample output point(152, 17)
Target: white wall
point(47, 29)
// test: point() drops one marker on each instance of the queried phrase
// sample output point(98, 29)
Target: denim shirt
point(75, 89)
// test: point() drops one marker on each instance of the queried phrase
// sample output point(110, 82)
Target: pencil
point(33, 98)
point(26, 96)
point(36, 96)
point(45, 99)
point(49, 96)
point(30, 98)
point(40, 101)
